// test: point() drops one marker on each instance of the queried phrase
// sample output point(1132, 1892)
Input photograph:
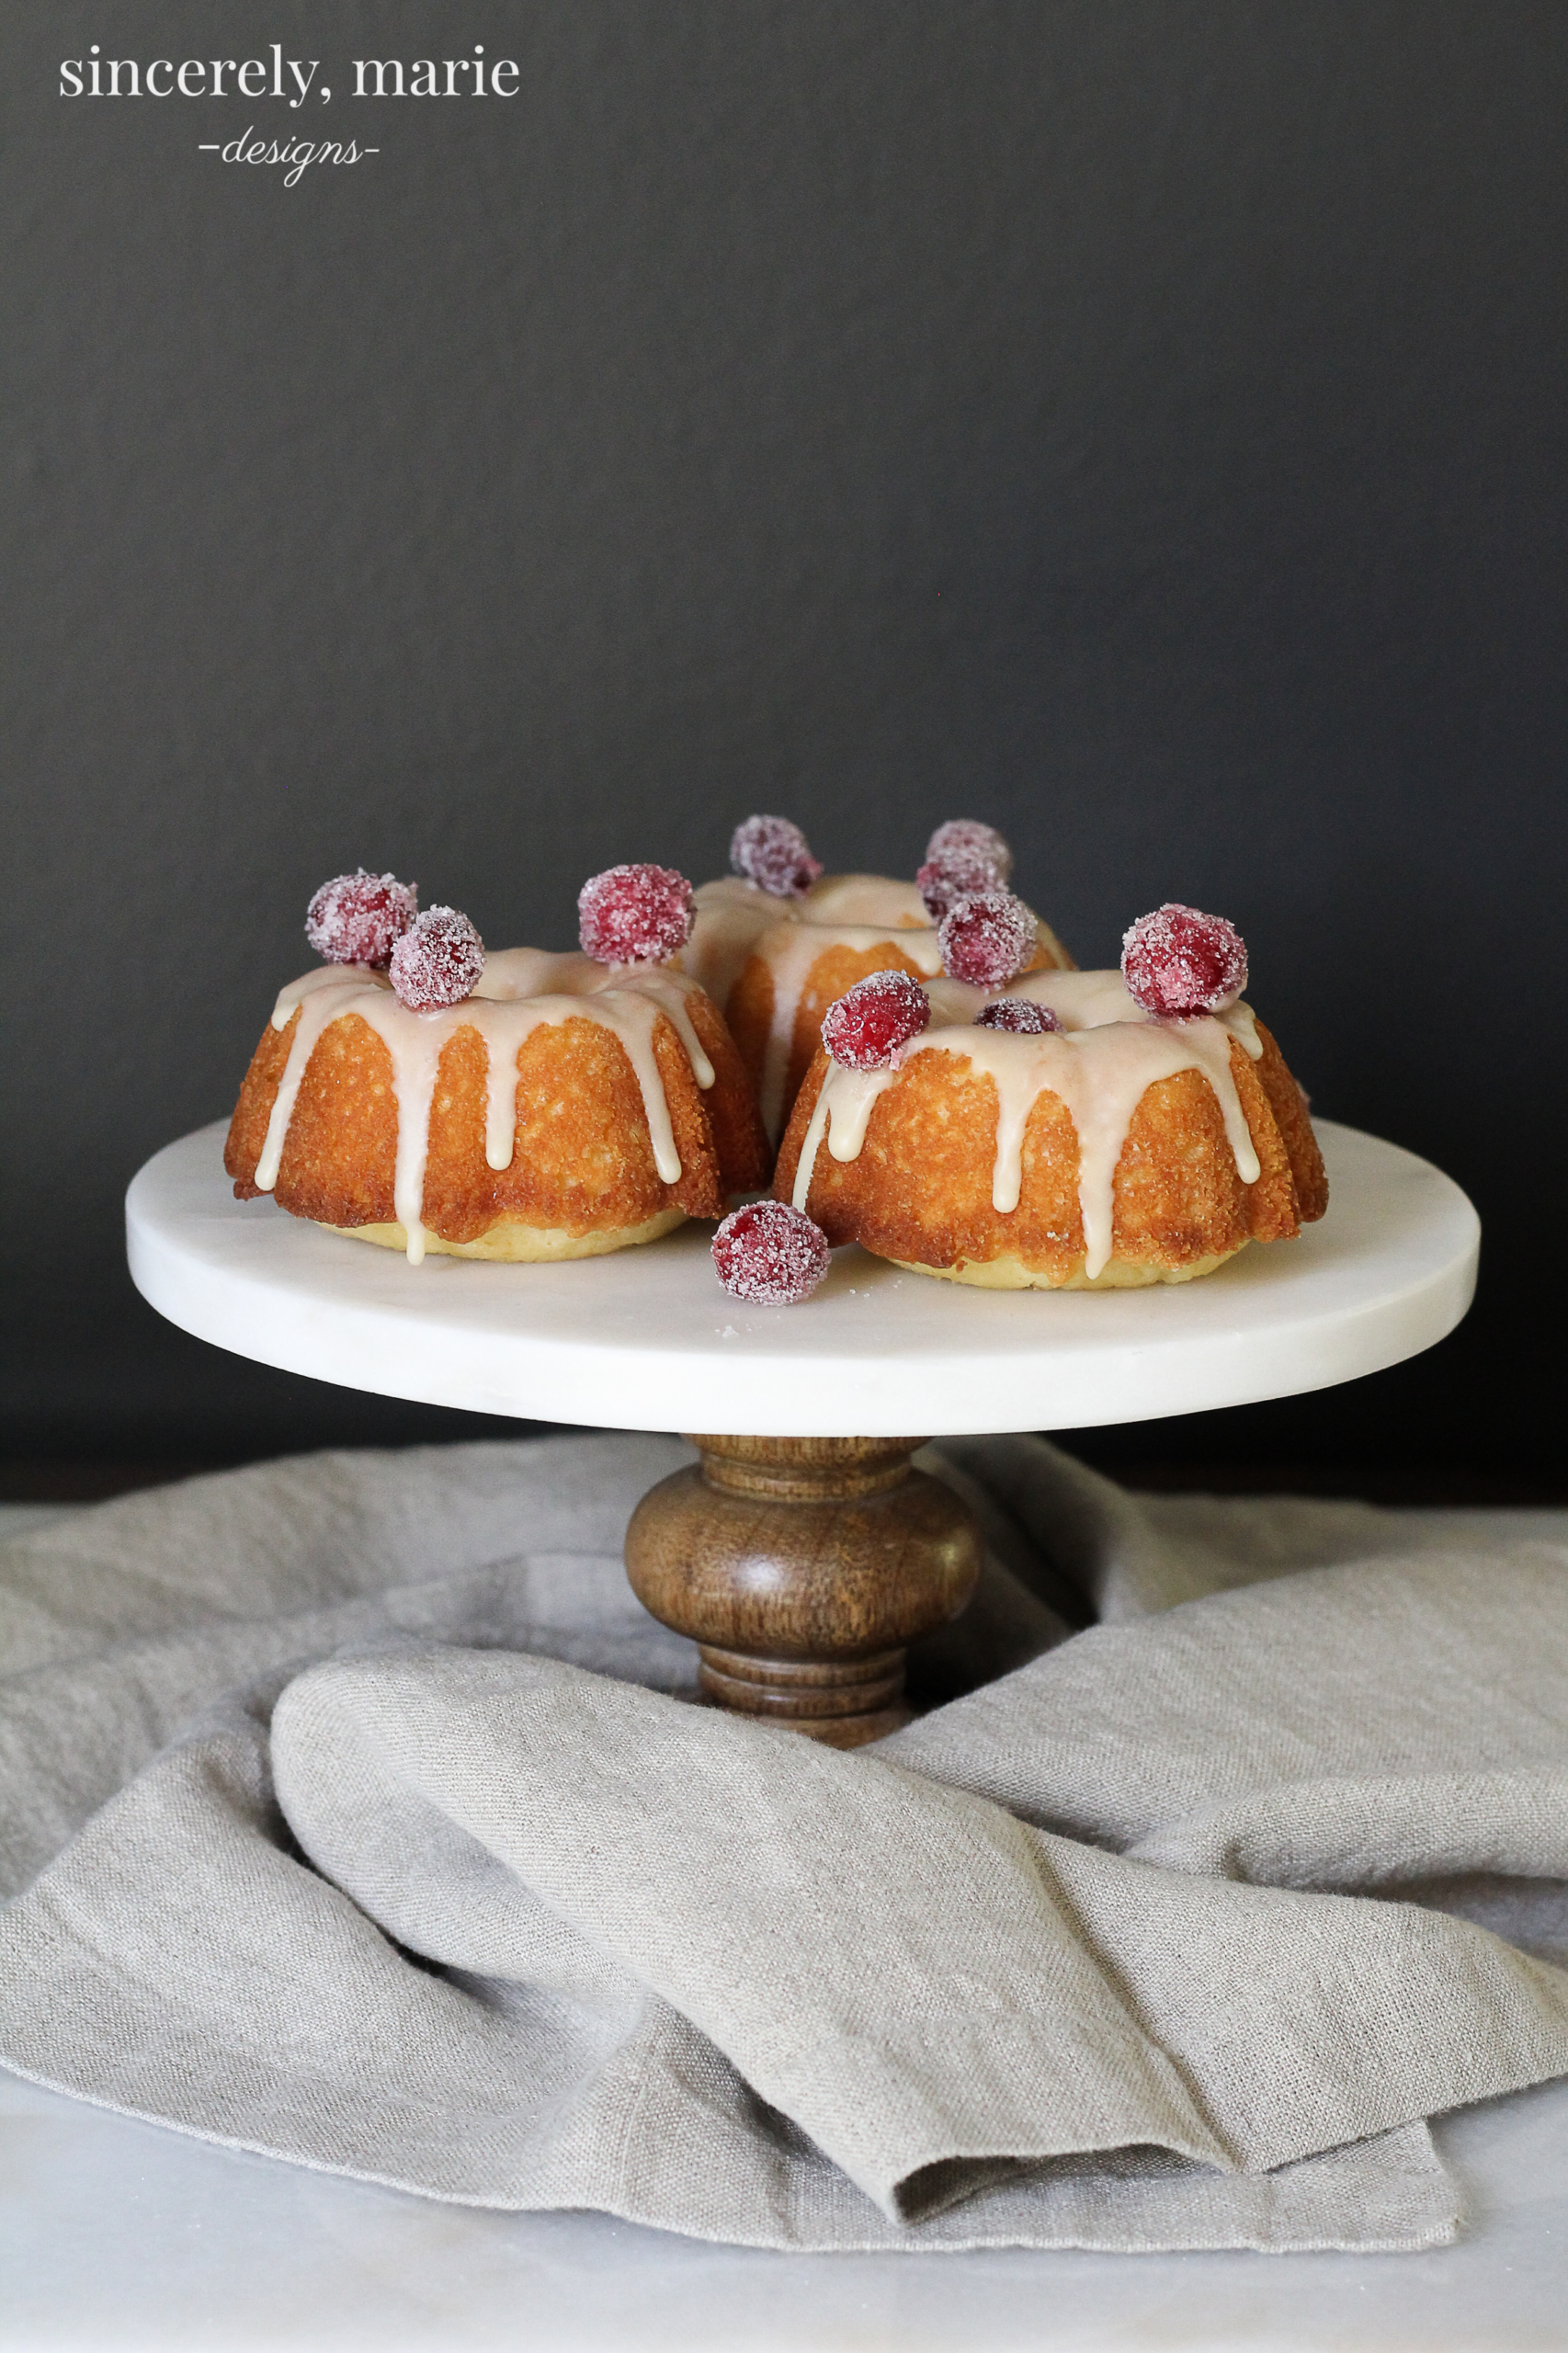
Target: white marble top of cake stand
point(647, 1339)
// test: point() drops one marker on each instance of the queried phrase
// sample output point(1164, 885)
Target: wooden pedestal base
point(802, 1567)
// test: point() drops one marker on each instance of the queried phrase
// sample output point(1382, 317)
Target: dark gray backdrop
point(1142, 425)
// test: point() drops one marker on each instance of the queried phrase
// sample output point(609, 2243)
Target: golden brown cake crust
point(1289, 1107)
point(746, 1157)
point(248, 1128)
point(920, 1189)
point(582, 1158)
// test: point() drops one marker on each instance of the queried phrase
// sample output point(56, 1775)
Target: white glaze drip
point(520, 990)
point(1106, 1055)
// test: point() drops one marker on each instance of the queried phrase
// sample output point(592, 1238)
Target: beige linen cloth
point(348, 1815)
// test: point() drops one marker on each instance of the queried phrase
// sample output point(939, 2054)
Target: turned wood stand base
point(802, 1567)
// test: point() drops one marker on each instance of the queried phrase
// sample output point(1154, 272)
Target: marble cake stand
point(806, 1553)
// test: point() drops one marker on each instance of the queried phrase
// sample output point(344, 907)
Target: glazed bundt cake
point(1061, 1129)
point(776, 941)
point(416, 1093)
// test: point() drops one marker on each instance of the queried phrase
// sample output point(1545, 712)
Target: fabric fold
point(885, 1960)
point(350, 1817)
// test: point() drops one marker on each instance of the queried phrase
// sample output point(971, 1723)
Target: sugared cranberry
point(770, 1253)
point(987, 939)
point(936, 891)
point(1178, 962)
point(437, 961)
point(774, 855)
point(962, 859)
point(634, 914)
point(863, 1029)
point(1019, 1014)
point(964, 840)
point(358, 918)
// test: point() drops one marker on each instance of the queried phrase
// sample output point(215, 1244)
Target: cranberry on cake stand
point(806, 1551)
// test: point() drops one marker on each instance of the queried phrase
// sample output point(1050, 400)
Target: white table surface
point(117, 2235)
point(647, 1338)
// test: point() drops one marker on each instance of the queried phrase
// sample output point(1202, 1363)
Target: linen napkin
point(351, 1813)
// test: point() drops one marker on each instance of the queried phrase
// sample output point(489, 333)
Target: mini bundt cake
point(1063, 1131)
point(418, 1094)
point(776, 941)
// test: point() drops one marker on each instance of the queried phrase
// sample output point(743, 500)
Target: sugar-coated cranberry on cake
point(776, 941)
point(1061, 1130)
point(522, 1105)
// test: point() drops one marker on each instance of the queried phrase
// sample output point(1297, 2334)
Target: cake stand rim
point(246, 1277)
